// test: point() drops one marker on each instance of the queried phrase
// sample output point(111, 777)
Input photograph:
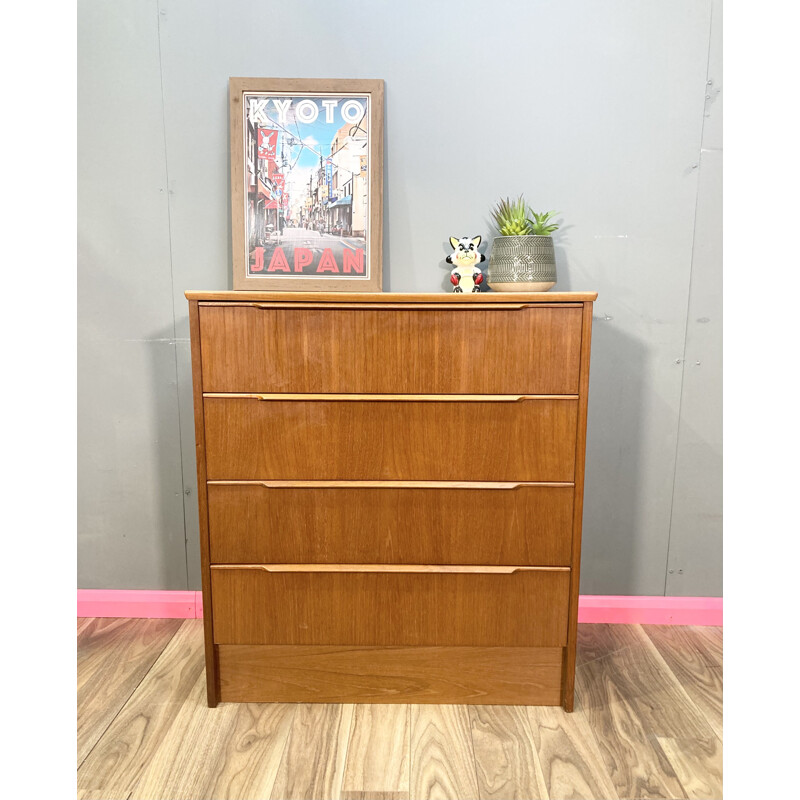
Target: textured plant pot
point(522, 264)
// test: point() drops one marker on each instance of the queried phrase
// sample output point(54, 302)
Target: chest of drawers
point(391, 492)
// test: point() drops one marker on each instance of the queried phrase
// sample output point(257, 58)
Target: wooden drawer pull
point(431, 568)
point(395, 398)
point(471, 485)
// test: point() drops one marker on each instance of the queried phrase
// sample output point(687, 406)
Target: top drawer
point(421, 349)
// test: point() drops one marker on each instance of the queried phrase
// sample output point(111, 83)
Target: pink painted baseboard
point(592, 608)
point(139, 603)
point(650, 610)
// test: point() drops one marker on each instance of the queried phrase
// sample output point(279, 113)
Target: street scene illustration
point(307, 173)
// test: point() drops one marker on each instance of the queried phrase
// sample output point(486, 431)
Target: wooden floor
point(648, 723)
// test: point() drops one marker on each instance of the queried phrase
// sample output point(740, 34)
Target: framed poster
point(306, 184)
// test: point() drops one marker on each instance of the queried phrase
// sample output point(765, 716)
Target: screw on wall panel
point(697, 363)
point(680, 572)
point(695, 166)
point(678, 360)
point(187, 491)
point(671, 571)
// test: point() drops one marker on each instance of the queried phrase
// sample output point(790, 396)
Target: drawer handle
point(393, 568)
point(405, 398)
point(395, 398)
point(471, 485)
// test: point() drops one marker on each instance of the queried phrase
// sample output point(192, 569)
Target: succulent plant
point(511, 217)
point(538, 224)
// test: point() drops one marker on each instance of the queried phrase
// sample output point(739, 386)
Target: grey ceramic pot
point(522, 264)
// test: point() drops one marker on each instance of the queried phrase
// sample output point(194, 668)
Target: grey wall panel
point(190, 509)
point(695, 551)
point(130, 507)
point(594, 108)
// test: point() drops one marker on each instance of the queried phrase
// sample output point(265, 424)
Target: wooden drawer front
point(491, 609)
point(384, 524)
point(526, 440)
point(523, 350)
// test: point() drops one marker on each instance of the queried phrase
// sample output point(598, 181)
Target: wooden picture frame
point(307, 184)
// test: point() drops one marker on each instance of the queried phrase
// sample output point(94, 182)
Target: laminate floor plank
point(231, 752)
point(712, 637)
point(644, 678)
point(84, 649)
point(253, 754)
point(570, 760)
point(698, 765)
point(442, 759)
point(312, 766)
point(114, 655)
point(189, 753)
point(697, 642)
point(505, 757)
point(686, 654)
point(377, 763)
point(113, 767)
point(618, 707)
point(599, 639)
point(101, 639)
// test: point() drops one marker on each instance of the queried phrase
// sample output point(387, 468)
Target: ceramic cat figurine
point(465, 276)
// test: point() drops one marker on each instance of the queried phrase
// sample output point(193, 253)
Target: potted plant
point(522, 257)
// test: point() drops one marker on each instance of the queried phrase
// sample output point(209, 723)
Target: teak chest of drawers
point(391, 493)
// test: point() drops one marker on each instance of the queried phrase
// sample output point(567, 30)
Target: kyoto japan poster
point(307, 181)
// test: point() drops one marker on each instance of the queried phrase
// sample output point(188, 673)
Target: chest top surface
point(391, 297)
